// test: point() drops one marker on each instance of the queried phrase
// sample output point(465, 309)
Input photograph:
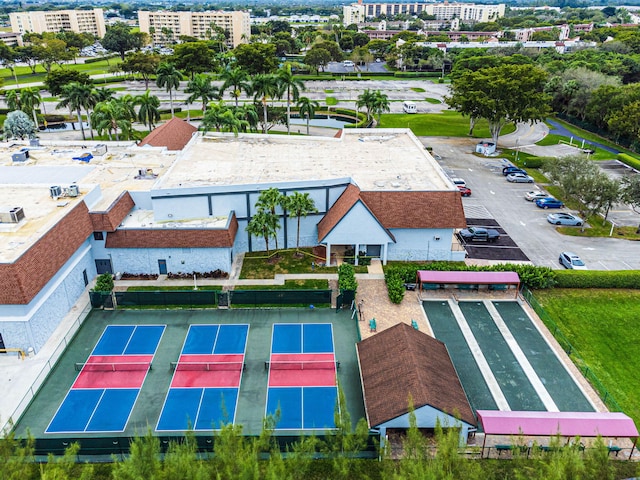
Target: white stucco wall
point(185, 260)
point(358, 226)
point(426, 417)
point(422, 244)
point(24, 326)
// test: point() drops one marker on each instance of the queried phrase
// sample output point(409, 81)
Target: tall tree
point(299, 205)
point(380, 104)
point(201, 88)
point(74, 97)
point(263, 224)
point(256, 58)
point(292, 86)
point(12, 99)
point(149, 112)
point(193, 58)
point(57, 79)
point(112, 116)
point(30, 100)
point(269, 200)
point(144, 64)
point(168, 77)
point(263, 87)
point(307, 109)
point(509, 93)
point(236, 79)
point(631, 193)
point(120, 39)
point(366, 99)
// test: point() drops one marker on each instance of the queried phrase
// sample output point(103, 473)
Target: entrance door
point(1, 344)
point(162, 266)
point(104, 266)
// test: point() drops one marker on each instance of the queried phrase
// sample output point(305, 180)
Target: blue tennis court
point(206, 381)
point(105, 391)
point(302, 389)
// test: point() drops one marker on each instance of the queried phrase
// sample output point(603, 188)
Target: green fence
point(280, 297)
point(578, 361)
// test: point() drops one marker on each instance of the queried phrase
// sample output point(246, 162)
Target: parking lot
point(525, 224)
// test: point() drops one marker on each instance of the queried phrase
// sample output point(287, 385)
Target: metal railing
point(44, 372)
point(570, 350)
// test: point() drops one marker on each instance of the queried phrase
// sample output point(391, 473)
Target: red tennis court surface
point(302, 370)
point(208, 371)
point(114, 371)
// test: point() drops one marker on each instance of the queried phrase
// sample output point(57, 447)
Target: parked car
point(464, 191)
point(535, 194)
point(511, 169)
point(477, 234)
point(519, 178)
point(564, 219)
point(549, 202)
point(571, 261)
point(457, 181)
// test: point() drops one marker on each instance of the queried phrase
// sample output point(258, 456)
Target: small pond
point(327, 121)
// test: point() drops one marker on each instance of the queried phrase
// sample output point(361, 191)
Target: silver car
point(519, 178)
point(564, 219)
point(571, 261)
point(533, 195)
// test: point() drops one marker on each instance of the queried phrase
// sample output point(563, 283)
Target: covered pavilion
point(464, 279)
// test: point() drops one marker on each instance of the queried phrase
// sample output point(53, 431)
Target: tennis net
point(113, 366)
point(208, 366)
point(309, 365)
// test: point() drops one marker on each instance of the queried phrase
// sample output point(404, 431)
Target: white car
point(535, 194)
point(571, 261)
point(519, 178)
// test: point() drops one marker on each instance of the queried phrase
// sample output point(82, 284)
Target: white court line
point(485, 370)
point(531, 374)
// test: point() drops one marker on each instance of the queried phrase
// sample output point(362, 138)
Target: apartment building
point(79, 21)
point(466, 12)
point(167, 27)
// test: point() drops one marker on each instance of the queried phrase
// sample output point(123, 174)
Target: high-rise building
point(466, 12)
point(79, 21)
point(167, 27)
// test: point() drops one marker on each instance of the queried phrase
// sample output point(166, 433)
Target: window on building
point(98, 236)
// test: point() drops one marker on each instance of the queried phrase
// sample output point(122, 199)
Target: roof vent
point(11, 215)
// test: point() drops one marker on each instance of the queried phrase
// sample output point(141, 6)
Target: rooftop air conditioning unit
point(72, 191)
point(100, 149)
point(34, 142)
point(20, 156)
point(11, 215)
point(55, 192)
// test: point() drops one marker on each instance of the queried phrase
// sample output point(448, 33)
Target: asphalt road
point(525, 223)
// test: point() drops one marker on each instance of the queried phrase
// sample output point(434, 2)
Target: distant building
point(79, 21)
point(466, 12)
point(167, 27)
point(11, 39)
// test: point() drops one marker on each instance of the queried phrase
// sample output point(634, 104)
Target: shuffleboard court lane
point(512, 379)
point(446, 329)
point(566, 394)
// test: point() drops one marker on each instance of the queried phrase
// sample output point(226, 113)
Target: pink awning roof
point(485, 278)
point(567, 424)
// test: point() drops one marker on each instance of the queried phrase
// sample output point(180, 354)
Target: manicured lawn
point(307, 284)
point(259, 265)
point(447, 123)
point(25, 76)
point(434, 101)
point(418, 89)
point(331, 101)
point(602, 325)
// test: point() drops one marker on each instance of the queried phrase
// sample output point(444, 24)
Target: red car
point(464, 191)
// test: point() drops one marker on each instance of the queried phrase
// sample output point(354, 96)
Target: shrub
point(395, 288)
point(347, 277)
point(104, 283)
point(533, 162)
point(416, 74)
point(598, 279)
point(100, 59)
point(629, 160)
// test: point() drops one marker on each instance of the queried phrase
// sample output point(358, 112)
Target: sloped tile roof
point(339, 209)
point(173, 135)
point(408, 209)
point(402, 361)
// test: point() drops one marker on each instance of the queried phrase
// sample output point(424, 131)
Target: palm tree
point(249, 113)
point(213, 117)
point(366, 99)
point(169, 77)
point(29, 100)
point(307, 107)
point(263, 224)
point(380, 104)
point(292, 85)
point(111, 116)
point(149, 109)
point(201, 88)
point(264, 86)
point(102, 94)
point(12, 99)
point(238, 79)
point(300, 205)
point(231, 122)
point(268, 201)
point(74, 96)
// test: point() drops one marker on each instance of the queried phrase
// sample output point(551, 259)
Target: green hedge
point(396, 275)
point(100, 59)
point(362, 122)
point(533, 162)
point(629, 160)
point(416, 74)
point(598, 279)
point(347, 277)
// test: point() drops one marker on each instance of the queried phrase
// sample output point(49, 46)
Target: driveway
point(525, 223)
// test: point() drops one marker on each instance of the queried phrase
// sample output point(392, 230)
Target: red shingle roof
point(400, 362)
point(432, 209)
point(174, 135)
